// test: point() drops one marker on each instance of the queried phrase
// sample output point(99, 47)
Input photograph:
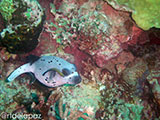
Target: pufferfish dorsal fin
point(54, 69)
point(32, 58)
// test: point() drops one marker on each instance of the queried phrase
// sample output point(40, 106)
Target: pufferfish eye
point(65, 72)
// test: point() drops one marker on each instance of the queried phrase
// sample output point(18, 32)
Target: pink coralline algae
point(106, 45)
point(98, 33)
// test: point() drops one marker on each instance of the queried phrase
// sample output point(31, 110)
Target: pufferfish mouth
point(73, 78)
point(77, 79)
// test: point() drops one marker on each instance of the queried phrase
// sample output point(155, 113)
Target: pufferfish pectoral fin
point(54, 70)
point(32, 76)
point(52, 74)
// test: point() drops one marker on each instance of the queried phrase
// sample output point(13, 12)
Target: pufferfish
point(51, 71)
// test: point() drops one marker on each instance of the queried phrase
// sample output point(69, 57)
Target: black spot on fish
point(42, 59)
point(70, 78)
point(39, 68)
point(57, 60)
point(46, 79)
point(53, 82)
point(59, 63)
point(51, 61)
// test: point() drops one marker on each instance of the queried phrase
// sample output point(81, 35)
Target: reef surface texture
point(23, 20)
point(118, 61)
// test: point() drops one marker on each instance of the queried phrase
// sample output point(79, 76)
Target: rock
point(23, 26)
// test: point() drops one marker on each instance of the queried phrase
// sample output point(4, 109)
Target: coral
point(74, 97)
point(7, 8)
point(120, 63)
point(91, 72)
point(131, 108)
point(89, 28)
point(145, 17)
point(116, 107)
point(92, 30)
point(34, 13)
point(13, 95)
point(154, 80)
point(154, 76)
point(77, 102)
point(5, 55)
point(74, 20)
point(21, 32)
point(122, 104)
point(136, 74)
point(109, 49)
point(119, 70)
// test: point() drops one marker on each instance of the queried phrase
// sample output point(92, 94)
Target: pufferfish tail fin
point(20, 70)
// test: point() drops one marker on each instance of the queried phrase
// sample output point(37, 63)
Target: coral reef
point(94, 30)
point(118, 62)
point(75, 20)
point(14, 96)
point(145, 17)
point(117, 108)
point(80, 102)
point(23, 25)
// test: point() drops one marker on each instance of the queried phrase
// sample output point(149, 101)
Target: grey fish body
point(51, 71)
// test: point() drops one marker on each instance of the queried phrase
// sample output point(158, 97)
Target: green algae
point(28, 13)
point(6, 9)
point(146, 13)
